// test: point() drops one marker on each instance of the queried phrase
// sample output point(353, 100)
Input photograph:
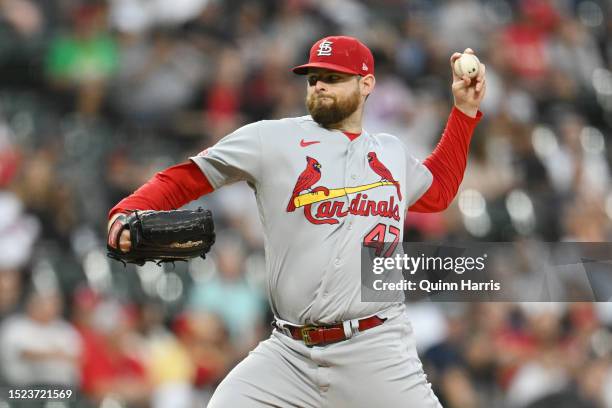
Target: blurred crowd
point(96, 96)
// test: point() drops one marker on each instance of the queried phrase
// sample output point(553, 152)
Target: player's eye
point(328, 79)
point(312, 80)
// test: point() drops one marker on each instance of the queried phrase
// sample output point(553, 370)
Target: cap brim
point(303, 69)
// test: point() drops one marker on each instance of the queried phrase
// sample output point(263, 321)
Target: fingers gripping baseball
point(469, 82)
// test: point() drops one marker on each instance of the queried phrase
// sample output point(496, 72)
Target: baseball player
point(324, 187)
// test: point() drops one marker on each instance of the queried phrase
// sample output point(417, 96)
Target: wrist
point(470, 111)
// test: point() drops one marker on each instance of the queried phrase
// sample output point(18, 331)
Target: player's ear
point(367, 84)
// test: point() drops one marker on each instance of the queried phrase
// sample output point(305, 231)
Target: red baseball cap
point(339, 53)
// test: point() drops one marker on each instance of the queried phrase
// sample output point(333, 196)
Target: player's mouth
point(325, 101)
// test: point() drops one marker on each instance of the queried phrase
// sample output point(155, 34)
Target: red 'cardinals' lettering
point(383, 172)
point(310, 175)
point(328, 211)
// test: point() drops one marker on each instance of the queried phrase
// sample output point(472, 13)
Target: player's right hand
point(125, 244)
point(467, 97)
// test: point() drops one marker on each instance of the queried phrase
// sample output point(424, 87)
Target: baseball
point(467, 64)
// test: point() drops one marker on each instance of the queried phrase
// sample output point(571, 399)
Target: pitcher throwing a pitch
point(325, 187)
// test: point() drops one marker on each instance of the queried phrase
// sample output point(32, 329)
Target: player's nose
point(320, 86)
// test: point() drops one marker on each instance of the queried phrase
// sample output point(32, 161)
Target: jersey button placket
point(350, 180)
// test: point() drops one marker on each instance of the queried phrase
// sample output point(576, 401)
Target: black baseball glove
point(162, 236)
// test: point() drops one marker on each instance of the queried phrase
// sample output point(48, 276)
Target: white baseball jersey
point(320, 195)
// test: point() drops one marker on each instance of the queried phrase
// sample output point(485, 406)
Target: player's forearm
point(447, 162)
point(169, 189)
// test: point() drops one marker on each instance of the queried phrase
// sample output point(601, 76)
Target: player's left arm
point(448, 160)
point(237, 156)
point(167, 190)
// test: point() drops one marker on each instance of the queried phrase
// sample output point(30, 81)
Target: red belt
point(322, 335)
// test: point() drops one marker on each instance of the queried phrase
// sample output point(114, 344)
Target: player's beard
point(328, 115)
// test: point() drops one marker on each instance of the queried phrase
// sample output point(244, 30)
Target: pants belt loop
point(281, 325)
point(351, 327)
point(348, 331)
point(355, 326)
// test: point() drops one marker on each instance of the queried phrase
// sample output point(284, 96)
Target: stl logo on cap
point(339, 53)
point(325, 48)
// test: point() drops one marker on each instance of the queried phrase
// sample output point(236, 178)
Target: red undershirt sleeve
point(447, 163)
point(167, 190)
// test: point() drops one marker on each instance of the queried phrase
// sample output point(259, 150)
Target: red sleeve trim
point(447, 163)
point(167, 190)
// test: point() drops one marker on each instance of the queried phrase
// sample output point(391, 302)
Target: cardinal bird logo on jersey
point(308, 178)
point(383, 172)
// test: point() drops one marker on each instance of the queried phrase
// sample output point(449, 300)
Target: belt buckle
point(305, 331)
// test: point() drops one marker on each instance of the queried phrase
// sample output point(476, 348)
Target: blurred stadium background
point(97, 96)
